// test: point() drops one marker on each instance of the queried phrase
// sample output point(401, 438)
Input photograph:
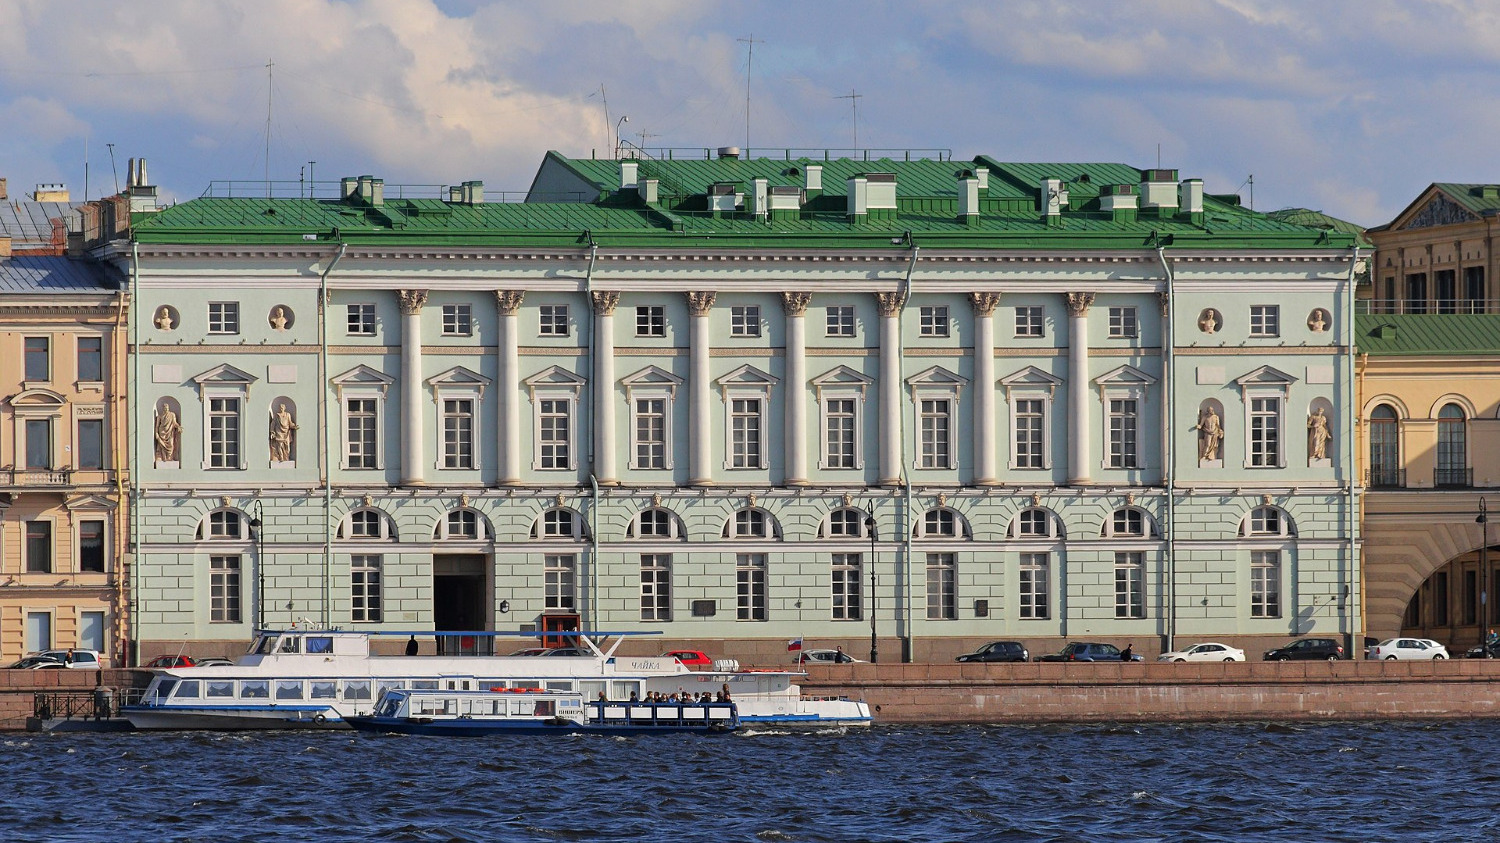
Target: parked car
point(1088, 651)
point(1370, 646)
point(170, 661)
point(1484, 651)
point(1393, 649)
point(997, 651)
point(689, 657)
point(530, 651)
point(1208, 651)
point(36, 663)
point(1307, 649)
point(214, 661)
point(568, 651)
point(81, 659)
point(824, 657)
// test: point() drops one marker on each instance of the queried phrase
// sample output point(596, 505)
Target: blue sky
point(1346, 106)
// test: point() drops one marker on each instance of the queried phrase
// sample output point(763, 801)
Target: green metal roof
point(1409, 334)
point(1318, 219)
point(1477, 198)
point(927, 199)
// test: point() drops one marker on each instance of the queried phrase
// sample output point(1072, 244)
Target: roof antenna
point(1250, 181)
point(853, 99)
point(112, 170)
point(749, 57)
point(268, 128)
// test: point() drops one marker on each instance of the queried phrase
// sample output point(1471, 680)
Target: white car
point(1205, 652)
point(76, 658)
point(1392, 649)
point(825, 657)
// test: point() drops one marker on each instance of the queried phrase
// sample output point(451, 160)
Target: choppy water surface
point(1334, 782)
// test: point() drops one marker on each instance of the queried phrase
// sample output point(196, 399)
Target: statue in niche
point(168, 433)
point(1208, 321)
point(278, 318)
point(1210, 434)
point(164, 318)
point(1319, 321)
point(283, 429)
point(1318, 435)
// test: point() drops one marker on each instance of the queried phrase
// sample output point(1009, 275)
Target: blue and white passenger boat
point(305, 678)
point(533, 711)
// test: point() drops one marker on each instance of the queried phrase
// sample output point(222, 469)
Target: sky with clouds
point(1346, 106)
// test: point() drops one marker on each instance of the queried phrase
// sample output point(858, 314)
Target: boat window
point(220, 688)
point(389, 685)
point(289, 689)
point(545, 708)
point(626, 691)
point(357, 689)
point(430, 705)
point(255, 689)
point(389, 706)
point(324, 689)
point(290, 644)
point(264, 645)
point(424, 684)
point(164, 688)
point(559, 685)
point(520, 706)
point(319, 644)
point(187, 689)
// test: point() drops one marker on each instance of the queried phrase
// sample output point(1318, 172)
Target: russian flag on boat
point(794, 645)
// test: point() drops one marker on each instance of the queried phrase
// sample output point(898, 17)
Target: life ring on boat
point(320, 718)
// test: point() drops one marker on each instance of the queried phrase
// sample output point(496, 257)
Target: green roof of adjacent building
point(601, 212)
point(1412, 334)
point(1318, 219)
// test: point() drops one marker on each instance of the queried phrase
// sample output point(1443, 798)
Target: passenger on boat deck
point(602, 697)
point(411, 646)
point(634, 697)
point(726, 692)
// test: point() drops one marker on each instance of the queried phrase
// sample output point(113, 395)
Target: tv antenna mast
point(853, 99)
point(750, 43)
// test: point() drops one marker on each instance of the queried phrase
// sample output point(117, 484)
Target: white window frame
point(226, 322)
point(933, 322)
point(360, 319)
point(38, 405)
point(1265, 320)
point(551, 317)
point(1030, 384)
point(1125, 383)
point(744, 321)
point(747, 383)
point(366, 582)
point(839, 320)
point(221, 382)
point(659, 515)
point(559, 582)
point(650, 321)
point(232, 578)
point(750, 587)
point(1131, 563)
point(652, 383)
point(554, 383)
point(1031, 321)
point(365, 384)
point(936, 384)
point(1124, 322)
point(1265, 383)
point(1048, 519)
point(942, 586)
point(841, 384)
point(1266, 570)
point(656, 592)
point(458, 319)
point(1033, 586)
point(383, 531)
point(88, 517)
point(458, 384)
point(482, 531)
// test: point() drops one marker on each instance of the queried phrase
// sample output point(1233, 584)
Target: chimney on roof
point(814, 180)
point(872, 192)
point(1190, 200)
point(142, 194)
point(983, 174)
point(650, 190)
point(968, 198)
point(759, 198)
point(1054, 197)
point(1119, 200)
point(367, 189)
point(630, 173)
point(1159, 191)
point(4, 193)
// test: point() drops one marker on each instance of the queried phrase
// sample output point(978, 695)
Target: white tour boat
point(534, 711)
point(305, 678)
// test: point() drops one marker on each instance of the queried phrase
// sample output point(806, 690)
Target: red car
point(689, 657)
point(171, 661)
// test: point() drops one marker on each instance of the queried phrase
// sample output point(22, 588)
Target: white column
point(984, 305)
point(604, 387)
point(1079, 406)
point(700, 471)
point(795, 425)
point(889, 305)
point(509, 368)
point(412, 435)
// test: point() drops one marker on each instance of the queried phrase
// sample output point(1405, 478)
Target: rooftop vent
point(366, 189)
point(1190, 199)
point(968, 198)
point(1488, 191)
point(629, 174)
point(1119, 200)
point(729, 152)
point(468, 193)
point(813, 183)
point(1054, 198)
point(1159, 190)
point(724, 197)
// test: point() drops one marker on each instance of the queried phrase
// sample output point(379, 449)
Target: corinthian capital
point(795, 304)
point(411, 301)
point(1079, 303)
point(509, 301)
point(699, 302)
point(888, 303)
point(605, 302)
point(984, 304)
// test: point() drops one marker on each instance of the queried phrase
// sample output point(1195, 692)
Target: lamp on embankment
point(870, 528)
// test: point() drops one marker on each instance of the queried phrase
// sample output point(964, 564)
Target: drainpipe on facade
point(134, 656)
point(593, 577)
point(904, 627)
point(120, 447)
point(1356, 579)
point(1169, 455)
point(324, 467)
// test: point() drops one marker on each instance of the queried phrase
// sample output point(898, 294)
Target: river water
point(1243, 782)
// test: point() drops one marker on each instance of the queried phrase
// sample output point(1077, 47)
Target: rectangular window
point(1122, 324)
point(846, 582)
point(1445, 280)
point(1033, 590)
point(91, 631)
point(224, 589)
point(1265, 584)
point(1265, 432)
point(39, 444)
point(223, 317)
point(941, 587)
point(223, 433)
point(39, 547)
point(458, 433)
point(934, 321)
point(744, 420)
point(841, 321)
point(1474, 289)
point(650, 433)
point(651, 321)
point(936, 423)
point(91, 359)
point(750, 586)
point(1416, 293)
point(458, 320)
point(1029, 321)
point(1029, 420)
point(1130, 585)
point(744, 321)
point(90, 443)
point(555, 432)
point(1265, 320)
point(91, 547)
point(559, 578)
point(1124, 426)
point(361, 319)
point(839, 418)
point(38, 359)
point(552, 320)
point(656, 586)
point(38, 631)
point(364, 587)
point(1440, 598)
point(359, 417)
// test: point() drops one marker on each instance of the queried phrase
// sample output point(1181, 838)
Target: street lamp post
point(1484, 576)
point(870, 528)
point(258, 533)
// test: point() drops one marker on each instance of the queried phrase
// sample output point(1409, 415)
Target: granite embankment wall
point(1042, 693)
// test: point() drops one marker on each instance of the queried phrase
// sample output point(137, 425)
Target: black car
point(1306, 649)
point(997, 651)
point(1484, 651)
point(1084, 651)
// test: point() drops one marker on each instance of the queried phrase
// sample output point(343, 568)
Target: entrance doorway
point(459, 598)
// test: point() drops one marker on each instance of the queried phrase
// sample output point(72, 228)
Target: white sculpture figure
point(283, 428)
point(278, 318)
point(1208, 321)
point(164, 318)
point(1318, 435)
point(167, 430)
point(1319, 321)
point(1210, 434)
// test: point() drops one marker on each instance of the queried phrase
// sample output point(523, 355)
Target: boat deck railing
point(707, 714)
